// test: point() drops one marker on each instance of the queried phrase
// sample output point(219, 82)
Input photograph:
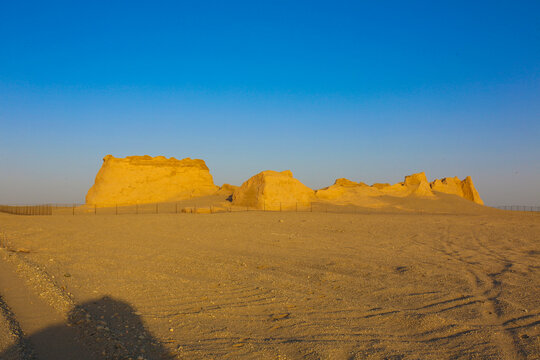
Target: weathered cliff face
point(464, 188)
point(272, 190)
point(146, 179)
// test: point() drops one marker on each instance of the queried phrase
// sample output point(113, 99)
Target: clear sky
point(368, 90)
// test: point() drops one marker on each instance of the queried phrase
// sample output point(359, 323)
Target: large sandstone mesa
point(146, 179)
point(464, 188)
point(272, 190)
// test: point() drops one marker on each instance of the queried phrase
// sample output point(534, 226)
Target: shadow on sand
point(101, 329)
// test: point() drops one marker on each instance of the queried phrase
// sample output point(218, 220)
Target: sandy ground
point(261, 285)
point(8, 340)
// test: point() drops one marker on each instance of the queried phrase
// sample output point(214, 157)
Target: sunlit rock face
point(227, 189)
point(349, 192)
point(464, 188)
point(272, 190)
point(146, 179)
point(418, 185)
point(348, 183)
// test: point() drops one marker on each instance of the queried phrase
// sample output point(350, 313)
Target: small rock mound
point(418, 185)
point(344, 191)
point(272, 190)
point(348, 183)
point(227, 189)
point(380, 185)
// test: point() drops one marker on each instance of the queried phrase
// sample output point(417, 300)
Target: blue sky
point(371, 91)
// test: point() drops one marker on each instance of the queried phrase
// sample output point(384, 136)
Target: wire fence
point(192, 207)
point(183, 207)
point(519, 208)
point(27, 209)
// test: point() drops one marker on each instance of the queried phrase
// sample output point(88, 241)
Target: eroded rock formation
point(418, 185)
point(146, 179)
point(464, 188)
point(272, 190)
point(227, 189)
point(350, 192)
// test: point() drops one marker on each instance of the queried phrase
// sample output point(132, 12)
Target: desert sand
point(454, 281)
point(161, 263)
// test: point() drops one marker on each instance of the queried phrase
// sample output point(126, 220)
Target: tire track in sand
point(486, 290)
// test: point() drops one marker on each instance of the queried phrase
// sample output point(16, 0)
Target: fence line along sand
point(519, 208)
point(194, 208)
point(174, 208)
point(27, 209)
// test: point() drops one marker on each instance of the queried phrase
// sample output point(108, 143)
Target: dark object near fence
point(519, 208)
point(27, 210)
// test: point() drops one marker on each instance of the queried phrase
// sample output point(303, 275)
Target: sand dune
point(267, 285)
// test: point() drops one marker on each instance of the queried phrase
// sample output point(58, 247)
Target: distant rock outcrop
point(345, 191)
point(418, 185)
point(464, 188)
point(350, 192)
point(380, 185)
point(227, 189)
point(348, 183)
point(146, 179)
point(272, 190)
